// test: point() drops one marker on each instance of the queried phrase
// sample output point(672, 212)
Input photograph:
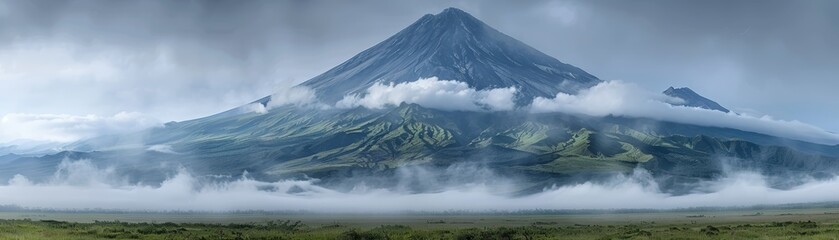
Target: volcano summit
point(453, 45)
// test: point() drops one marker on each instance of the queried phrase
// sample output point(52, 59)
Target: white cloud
point(67, 128)
point(172, 82)
point(608, 98)
point(161, 148)
point(85, 186)
point(617, 98)
point(256, 107)
point(433, 93)
point(298, 96)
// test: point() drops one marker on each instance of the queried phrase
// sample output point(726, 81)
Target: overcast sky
point(176, 60)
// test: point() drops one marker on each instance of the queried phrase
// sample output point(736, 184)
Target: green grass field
point(817, 223)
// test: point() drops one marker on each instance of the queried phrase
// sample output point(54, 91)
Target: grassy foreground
point(721, 225)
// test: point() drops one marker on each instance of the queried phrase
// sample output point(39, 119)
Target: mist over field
point(79, 185)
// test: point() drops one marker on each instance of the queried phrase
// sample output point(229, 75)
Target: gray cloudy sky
point(176, 60)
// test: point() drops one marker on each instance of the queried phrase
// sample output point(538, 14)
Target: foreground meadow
point(773, 224)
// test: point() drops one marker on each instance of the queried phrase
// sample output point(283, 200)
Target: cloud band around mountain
point(617, 98)
point(434, 93)
point(82, 185)
point(68, 128)
point(609, 98)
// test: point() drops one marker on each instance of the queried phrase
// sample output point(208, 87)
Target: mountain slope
point(452, 45)
point(552, 148)
point(544, 149)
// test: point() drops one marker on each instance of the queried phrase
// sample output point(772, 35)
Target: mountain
point(693, 99)
point(28, 147)
point(452, 45)
point(347, 147)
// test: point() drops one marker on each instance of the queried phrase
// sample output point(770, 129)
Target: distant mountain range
point(343, 146)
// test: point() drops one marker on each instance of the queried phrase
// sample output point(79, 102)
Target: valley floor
point(816, 223)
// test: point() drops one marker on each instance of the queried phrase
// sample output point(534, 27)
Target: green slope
point(544, 147)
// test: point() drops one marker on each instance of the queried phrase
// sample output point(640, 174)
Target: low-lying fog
point(79, 185)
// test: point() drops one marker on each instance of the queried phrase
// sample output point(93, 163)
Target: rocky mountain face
point(452, 45)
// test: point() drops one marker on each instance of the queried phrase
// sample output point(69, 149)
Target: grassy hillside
point(545, 148)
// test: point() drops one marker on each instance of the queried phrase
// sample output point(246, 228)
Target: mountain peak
point(448, 12)
point(693, 99)
point(456, 12)
point(453, 45)
point(451, 22)
point(455, 15)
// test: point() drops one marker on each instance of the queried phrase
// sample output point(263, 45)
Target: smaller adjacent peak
point(693, 99)
point(680, 91)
